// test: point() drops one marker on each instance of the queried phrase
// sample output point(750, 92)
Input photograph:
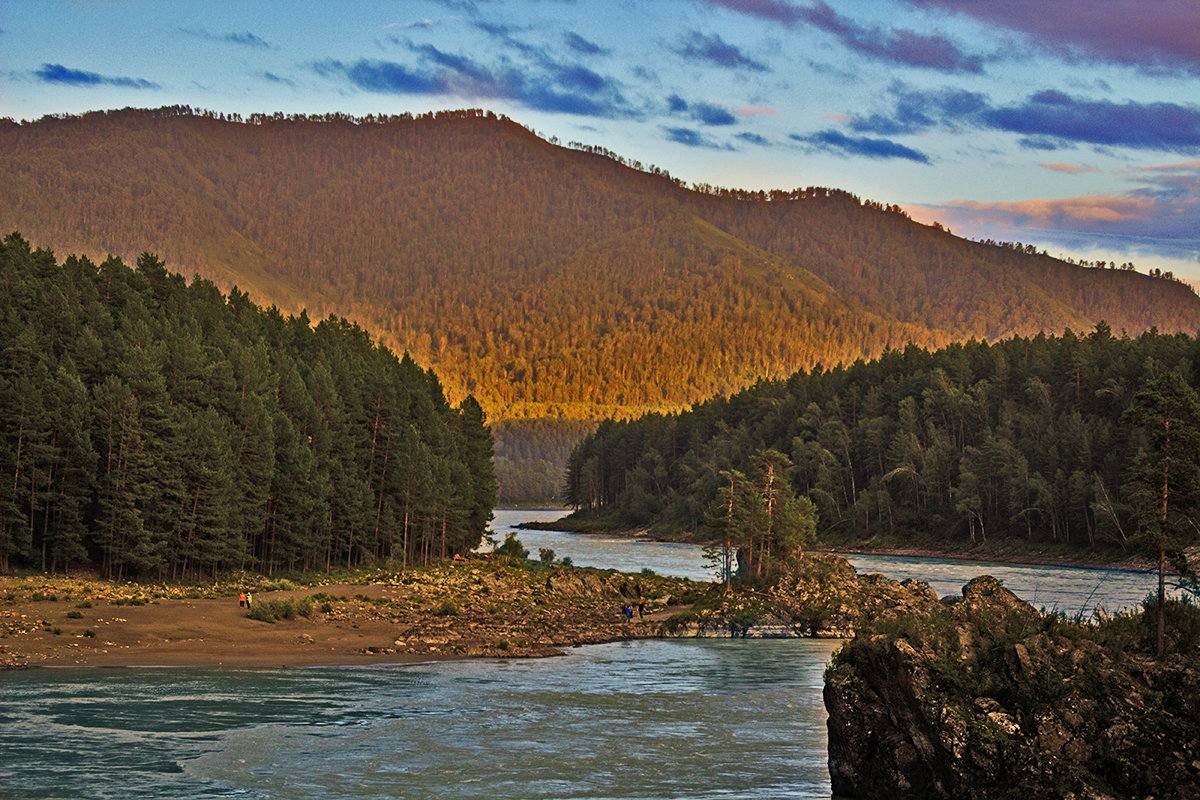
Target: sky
point(1071, 125)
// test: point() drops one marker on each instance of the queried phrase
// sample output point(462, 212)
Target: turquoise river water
point(705, 719)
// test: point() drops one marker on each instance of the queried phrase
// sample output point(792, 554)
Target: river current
point(653, 719)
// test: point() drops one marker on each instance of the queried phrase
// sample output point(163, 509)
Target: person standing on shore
point(242, 600)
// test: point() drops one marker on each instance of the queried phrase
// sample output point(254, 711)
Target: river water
point(717, 720)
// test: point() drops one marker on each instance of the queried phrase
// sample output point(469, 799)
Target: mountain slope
point(549, 282)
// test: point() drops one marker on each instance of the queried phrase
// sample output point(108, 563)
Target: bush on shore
point(277, 608)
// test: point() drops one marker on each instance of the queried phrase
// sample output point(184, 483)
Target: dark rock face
point(989, 699)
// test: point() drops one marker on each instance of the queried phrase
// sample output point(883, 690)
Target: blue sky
point(1073, 125)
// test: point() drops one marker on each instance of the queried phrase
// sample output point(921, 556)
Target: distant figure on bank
point(628, 613)
point(249, 597)
point(641, 610)
point(242, 600)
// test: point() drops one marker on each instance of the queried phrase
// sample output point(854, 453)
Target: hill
point(551, 282)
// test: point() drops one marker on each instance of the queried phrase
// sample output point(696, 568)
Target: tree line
point(1032, 439)
point(157, 428)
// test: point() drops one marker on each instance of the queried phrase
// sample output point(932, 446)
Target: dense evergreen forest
point(1030, 438)
point(550, 282)
point(156, 428)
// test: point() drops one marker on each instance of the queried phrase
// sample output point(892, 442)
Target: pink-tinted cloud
point(1159, 217)
point(1070, 169)
point(1154, 35)
point(754, 111)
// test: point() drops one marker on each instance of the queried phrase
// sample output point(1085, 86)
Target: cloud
point(1148, 126)
point(900, 46)
point(57, 73)
point(1046, 120)
point(548, 86)
point(273, 78)
point(408, 26)
point(706, 113)
point(837, 142)
point(244, 39)
point(692, 138)
point(753, 138)
point(714, 50)
point(754, 111)
point(583, 46)
point(1070, 169)
point(1157, 37)
point(1159, 215)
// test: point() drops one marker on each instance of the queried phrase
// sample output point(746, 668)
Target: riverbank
point(477, 607)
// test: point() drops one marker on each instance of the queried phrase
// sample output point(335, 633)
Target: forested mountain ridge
point(550, 282)
point(156, 428)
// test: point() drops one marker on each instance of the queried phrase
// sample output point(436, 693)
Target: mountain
point(550, 282)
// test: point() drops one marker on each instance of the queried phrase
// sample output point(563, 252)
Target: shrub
point(546, 555)
point(89, 633)
point(512, 547)
point(280, 608)
point(326, 607)
point(448, 608)
point(74, 615)
point(84, 604)
point(566, 561)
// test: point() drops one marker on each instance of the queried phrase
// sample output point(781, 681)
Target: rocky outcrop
point(821, 596)
point(987, 698)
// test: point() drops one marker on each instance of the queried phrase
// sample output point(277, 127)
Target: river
point(651, 720)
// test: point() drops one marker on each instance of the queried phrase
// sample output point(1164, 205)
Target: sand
point(469, 610)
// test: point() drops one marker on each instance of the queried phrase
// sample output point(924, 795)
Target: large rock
point(989, 699)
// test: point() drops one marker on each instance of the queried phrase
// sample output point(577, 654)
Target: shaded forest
point(550, 282)
point(1029, 439)
point(156, 428)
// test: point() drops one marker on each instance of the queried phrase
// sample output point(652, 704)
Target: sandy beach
point(470, 609)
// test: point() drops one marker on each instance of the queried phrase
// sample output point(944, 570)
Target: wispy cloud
point(1070, 169)
point(273, 78)
point(57, 73)
point(754, 111)
point(1163, 36)
point(715, 51)
point(420, 24)
point(834, 141)
point(693, 138)
point(1149, 126)
point(1046, 120)
point(245, 39)
point(901, 46)
point(583, 46)
point(547, 86)
point(705, 113)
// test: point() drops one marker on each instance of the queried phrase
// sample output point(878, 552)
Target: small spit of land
point(474, 607)
point(482, 606)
